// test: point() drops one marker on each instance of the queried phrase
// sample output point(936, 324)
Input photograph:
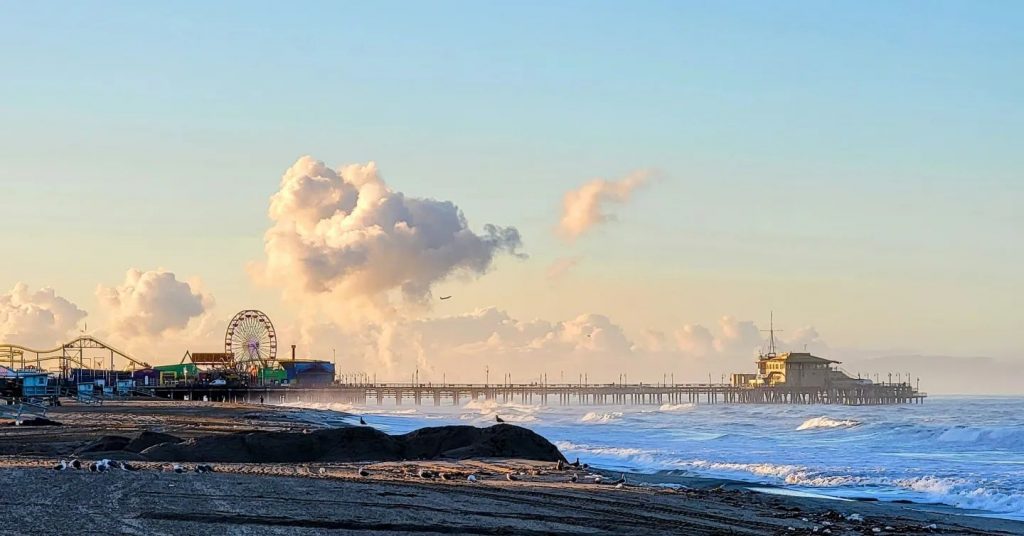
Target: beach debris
point(363, 472)
point(471, 478)
point(933, 526)
point(446, 297)
point(876, 530)
point(620, 485)
point(362, 421)
point(511, 477)
point(423, 473)
point(887, 527)
point(446, 476)
point(574, 478)
point(63, 465)
point(125, 466)
point(498, 419)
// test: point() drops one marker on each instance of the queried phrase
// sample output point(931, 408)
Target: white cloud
point(345, 236)
point(584, 207)
point(152, 303)
point(39, 319)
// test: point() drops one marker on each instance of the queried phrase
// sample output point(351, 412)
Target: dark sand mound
point(105, 444)
point(354, 444)
point(147, 439)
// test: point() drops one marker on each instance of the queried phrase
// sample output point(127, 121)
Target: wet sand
point(333, 498)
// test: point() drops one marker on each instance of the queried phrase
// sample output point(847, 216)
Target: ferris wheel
point(251, 339)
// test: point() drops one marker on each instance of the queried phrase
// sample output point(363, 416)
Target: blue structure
point(309, 373)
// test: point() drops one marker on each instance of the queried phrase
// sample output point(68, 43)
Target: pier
point(553, 394)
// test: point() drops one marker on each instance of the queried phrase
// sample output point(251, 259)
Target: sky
point(672, 172)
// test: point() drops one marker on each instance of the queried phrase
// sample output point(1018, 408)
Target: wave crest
point(827, 422)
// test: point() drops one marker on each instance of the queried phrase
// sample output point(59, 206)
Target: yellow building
point(796, 369)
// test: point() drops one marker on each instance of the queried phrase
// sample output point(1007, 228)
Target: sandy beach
point(394, 497)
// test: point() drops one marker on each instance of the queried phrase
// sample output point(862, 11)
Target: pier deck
point(562, 394)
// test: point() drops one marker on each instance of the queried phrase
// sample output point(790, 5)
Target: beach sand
point(316, 498)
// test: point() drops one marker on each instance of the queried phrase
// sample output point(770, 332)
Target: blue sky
point(855, 165)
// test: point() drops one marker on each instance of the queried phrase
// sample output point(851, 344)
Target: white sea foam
point(826, 422)
point(600, 418)
point(668, 408)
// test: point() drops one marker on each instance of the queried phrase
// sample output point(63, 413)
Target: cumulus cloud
point(584, 207)
point(39, 319)
point(345, 234)
point(153, 303)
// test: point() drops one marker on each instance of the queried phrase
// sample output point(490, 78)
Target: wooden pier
point(550, 394)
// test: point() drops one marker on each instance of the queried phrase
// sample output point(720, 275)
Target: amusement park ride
point(250, 343)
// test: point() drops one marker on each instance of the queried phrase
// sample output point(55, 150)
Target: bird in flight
point(445, 297)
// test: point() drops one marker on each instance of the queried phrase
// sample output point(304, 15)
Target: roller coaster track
point(73, 351)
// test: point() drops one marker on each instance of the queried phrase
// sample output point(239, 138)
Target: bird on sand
point(361, 421)
point(471, 478)
point(574, 478)
point(576, 463)
point(363, 472)
point(511, 478)
point(498, 419)
point(621, 480)
point(75, 464)
point(63, 465)
point(598, 479)
point(321, 471)
point(445, 297)
point(560, 466)
point(177, 469)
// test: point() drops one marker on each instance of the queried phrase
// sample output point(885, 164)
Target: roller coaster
point(85, 352)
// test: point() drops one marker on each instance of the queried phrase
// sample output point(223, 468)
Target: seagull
point(574, 478)
point(445, 297)
point(61, 466)
point(560, 466)
point(511, 478)
point(576, 463)
point(361, 421)
point(471, 478)
point(598, 479)
point(321, 471)
point(75, 464)
point(178, 469)
point(363, 472)
point(621, 480)
point(498, 419)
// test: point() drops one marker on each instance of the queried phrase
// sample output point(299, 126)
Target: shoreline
point(310, 498)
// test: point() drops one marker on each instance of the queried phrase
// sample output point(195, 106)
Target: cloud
point(561, 266)
point(346, 235)
point(152, 303)
point(39, 319)
point(584, 207)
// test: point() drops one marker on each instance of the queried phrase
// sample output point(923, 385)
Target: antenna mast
point(771, 335)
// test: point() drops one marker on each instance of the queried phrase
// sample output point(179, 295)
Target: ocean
point(964, 452)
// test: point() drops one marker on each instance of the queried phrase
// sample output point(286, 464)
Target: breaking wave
point(826, 422)
point(600, 418)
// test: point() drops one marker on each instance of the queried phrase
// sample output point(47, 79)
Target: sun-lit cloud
point(344, 236)
point(561, 267)
point(40, 319)
point(585, 207)
point(152, 303)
